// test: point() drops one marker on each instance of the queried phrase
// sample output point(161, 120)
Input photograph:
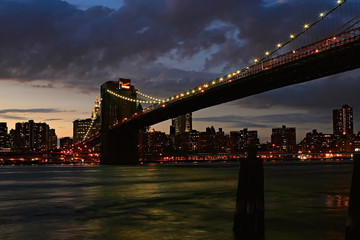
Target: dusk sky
point(54, 55)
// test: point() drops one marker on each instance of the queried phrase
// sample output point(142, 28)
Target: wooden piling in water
point(353, 221)
point(249, 212)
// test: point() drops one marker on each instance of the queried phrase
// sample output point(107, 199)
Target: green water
point(167, 202)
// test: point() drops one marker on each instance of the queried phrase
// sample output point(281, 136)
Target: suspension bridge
point(327, 46)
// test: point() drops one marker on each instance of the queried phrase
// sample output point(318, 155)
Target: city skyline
point(46, 80)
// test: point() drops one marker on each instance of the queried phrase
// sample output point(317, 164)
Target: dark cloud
point(269, 121)
point(53, 119)
point(32, 110)
point(12, 117)
point(54, 40)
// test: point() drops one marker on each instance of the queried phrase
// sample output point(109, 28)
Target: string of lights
point(131, 99)
point(147, 96)
point(306, 27)
point(88, 131)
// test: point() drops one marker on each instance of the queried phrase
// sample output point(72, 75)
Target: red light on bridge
point(163, 105)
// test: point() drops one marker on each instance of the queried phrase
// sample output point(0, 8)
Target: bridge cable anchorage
point(131, 99)
point(257, 62)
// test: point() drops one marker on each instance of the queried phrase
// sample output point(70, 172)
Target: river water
point(167, 202)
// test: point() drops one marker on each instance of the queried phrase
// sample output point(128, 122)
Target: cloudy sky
point(54, 55)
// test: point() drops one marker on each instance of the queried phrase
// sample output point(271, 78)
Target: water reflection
point(166, 202)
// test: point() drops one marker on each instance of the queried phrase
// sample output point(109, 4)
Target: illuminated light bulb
point(322, 15)
point(278, 45)
point(267, 53)
point(213, 82)
point(193, 91)
point(306, 26)
point(238, 72)
point(199, 88)
point(187, 93)
point(182, 94)
point(229, 75)
point(292, 36)
point(221, 79)
point(339, 1)
point(206, 85)
point(172, 98)
point(248, 68)
point(256, 60)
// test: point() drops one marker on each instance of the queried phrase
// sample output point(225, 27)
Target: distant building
point(284, 139)
point(317, 142)
point(83, 128)
point(241, 140)
point(153, 142)
point(52, 139)
point(65, 142)
point(343, 121)
point(80, 128)
point(4, 138)
point(31, 136)
point(182, 124)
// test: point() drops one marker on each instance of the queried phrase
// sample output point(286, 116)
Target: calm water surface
point(167, 202)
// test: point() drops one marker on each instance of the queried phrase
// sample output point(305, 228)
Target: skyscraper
point(31, 136)
point(343, 121)
point(4, 137)
point(283, 139)
point(241, 140)
point(182, 124)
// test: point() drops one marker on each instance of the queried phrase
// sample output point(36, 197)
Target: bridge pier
point(353, 221)
point(120, 147)
point(249, 212)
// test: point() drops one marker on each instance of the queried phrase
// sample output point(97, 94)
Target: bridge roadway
point(320, 63)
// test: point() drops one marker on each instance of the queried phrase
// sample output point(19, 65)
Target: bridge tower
point(118, 146)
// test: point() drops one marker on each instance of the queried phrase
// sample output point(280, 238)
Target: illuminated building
point(153, 142)
point(31, 136)
point(96, 110)
point(283, 139)
point(343, 121)
point(241, 140)
point(52, 139)
point(83, 128)
point(65, 142)
point(317, 142)
point(182, 124)
point(4, 137)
